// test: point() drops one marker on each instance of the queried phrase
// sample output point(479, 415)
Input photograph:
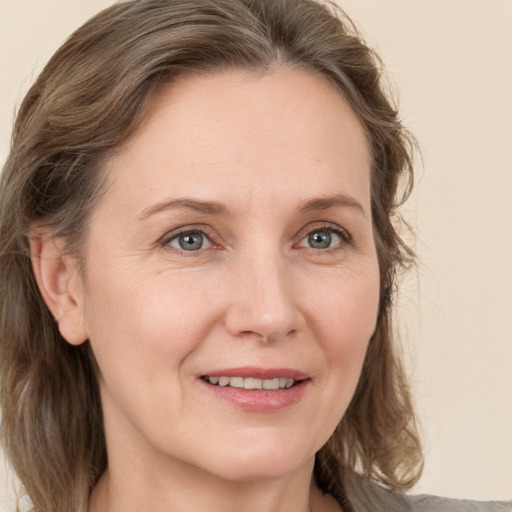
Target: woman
point(198, 265)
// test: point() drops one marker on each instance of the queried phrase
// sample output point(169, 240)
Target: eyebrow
point(214, 208)
point(206, 207)
point(324, 203)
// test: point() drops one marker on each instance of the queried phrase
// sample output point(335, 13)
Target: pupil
point(191, 242)
point(320, 240)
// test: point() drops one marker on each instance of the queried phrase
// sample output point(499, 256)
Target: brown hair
point(88, 100)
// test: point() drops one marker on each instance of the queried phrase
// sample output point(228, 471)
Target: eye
point(324, 238)
point(189, 241)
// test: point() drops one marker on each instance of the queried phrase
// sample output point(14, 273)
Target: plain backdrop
point(451, 61)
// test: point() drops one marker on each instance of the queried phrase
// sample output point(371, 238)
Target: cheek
point(345, 317)
point(346, 310)
point(151, 318)
point(142, 331)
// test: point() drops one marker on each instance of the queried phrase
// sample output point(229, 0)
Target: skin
point(258, 292)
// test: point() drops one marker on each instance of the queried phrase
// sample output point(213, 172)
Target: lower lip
point(260, 400)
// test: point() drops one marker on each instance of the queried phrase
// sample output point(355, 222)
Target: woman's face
point(234, 245)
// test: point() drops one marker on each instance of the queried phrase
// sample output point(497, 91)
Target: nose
point(263, 304)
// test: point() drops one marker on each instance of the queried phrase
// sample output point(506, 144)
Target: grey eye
point(320, 239)
point(191, 241)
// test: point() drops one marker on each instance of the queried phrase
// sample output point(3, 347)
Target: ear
point(59, 281)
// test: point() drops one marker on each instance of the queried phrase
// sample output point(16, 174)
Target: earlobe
point(58, 281)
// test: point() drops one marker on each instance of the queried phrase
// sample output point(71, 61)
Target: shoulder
point(366, 496)
point(426, 503)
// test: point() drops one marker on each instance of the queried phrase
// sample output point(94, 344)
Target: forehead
point(238, 131)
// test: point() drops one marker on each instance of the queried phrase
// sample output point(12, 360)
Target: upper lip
point(259, 373)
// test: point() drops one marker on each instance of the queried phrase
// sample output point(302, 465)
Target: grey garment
point(366, 496)
point(425, 503)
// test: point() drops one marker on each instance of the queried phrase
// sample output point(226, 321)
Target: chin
point(253, 471)
point(257, 462)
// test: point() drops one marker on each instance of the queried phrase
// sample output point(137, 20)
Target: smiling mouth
point(250, 383)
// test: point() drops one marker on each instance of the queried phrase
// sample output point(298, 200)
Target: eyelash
point(203, 230)
point(345, 237)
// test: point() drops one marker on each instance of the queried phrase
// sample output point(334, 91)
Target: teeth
point(251, 383)
point(236, 382)
point(271, 384)
point(223, 381)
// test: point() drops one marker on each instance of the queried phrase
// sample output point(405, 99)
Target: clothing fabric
point(366, 496)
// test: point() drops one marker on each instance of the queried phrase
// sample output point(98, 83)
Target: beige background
point(452, 63)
